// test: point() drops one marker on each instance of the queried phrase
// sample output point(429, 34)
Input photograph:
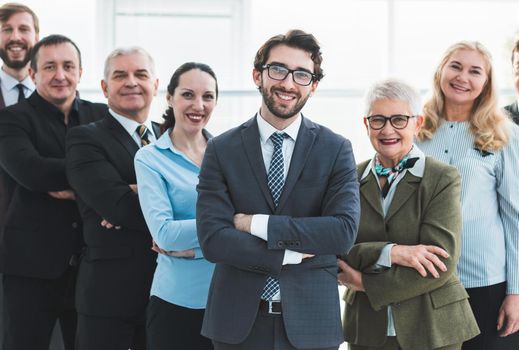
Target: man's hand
point(420, 257)
point(242, 222)
point(188, 253)
point(350, 277)
point(134, 188)
point(108, 225)
point(64, 195)
point(508, 318)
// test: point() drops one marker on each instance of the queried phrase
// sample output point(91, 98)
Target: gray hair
point(125, 51)
point(393, 89)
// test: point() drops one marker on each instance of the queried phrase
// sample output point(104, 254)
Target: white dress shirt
point(131, 126)
point(9, 89)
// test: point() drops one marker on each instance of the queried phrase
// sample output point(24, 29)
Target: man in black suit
point(116, 271)
point(513, 109)
point(41, 240)
point(19, 28)
point(278, 200)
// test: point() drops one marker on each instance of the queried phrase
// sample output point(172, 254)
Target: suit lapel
point(304, 143)
point(2, 102)
point(251, 142)
point(121, 134)
point(405, 189)
point(156, 129)
point(370, 191)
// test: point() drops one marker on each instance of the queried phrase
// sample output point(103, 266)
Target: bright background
point(362, 41)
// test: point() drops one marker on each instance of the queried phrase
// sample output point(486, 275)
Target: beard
point(15, 64)
point(279, 110)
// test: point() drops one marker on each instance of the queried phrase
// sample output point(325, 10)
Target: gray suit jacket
point(318, 213)
point(513, 111)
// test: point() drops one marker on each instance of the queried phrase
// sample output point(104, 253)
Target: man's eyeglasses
point(397, 121)
point(300, 77)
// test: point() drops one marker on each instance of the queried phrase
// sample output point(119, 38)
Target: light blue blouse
point(167, 181)
point(490, 204)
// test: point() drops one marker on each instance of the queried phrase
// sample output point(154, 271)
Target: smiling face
point(392, 144)
point(463, 77)
point(193, 101)
point(130, 86)
point(58, 73)
point(17, 37)
point(284, 99)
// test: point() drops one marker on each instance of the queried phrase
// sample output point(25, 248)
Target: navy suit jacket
point(318, 213)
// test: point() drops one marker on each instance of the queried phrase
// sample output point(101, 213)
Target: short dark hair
point(515, 49)
point(295, 38)
point(169, 116)
point(51, 40)
point(10, 8)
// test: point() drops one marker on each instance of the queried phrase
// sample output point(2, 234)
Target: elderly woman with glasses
point(403, 292)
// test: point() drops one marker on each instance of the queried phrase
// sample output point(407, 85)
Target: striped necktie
point(142, 130)
point(276, 181)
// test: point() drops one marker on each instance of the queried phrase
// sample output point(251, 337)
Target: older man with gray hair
point(117, 269)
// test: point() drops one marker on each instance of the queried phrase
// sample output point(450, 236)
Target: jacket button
point(75, 225)
point(281, 244)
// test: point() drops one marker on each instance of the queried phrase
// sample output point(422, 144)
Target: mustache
point(17, 43)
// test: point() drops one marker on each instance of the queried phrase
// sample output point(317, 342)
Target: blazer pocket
point(448, 294)
point(349, 296)
point(107, 253)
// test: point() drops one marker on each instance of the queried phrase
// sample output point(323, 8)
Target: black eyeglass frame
point(390, 118)
point(267, 67)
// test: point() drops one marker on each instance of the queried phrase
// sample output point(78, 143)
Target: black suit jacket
point(513, 111)
point(116, 271)
point(41, 233)
point(318, 213)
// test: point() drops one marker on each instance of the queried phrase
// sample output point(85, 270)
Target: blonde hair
point(487, 121)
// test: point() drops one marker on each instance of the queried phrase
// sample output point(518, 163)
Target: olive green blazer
point(428, 312)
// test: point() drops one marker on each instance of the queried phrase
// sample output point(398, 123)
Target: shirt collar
point(130, 125)
point(164, 141)
point(9, 82)
point(266, 130)
point(417, 170)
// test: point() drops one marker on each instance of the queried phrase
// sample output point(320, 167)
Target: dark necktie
point(21, 94)
point(276, 181)
point(392, 173)
point(142, 130)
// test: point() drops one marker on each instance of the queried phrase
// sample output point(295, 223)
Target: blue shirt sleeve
point(169, 233)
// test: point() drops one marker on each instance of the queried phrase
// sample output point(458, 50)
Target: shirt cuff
point(259, 226)
point(292, 257)
point(385, 256)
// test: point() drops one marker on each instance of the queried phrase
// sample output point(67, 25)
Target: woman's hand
point(349, 277)
point(420, 257)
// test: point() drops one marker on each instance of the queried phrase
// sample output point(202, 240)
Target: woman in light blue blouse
point(167, 175)
point(465, 128)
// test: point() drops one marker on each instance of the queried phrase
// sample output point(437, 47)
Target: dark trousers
point(268, 332)
point(110, 333)
point(392, 344)
point(31, 307)
point(169, 326)
point(485, 303)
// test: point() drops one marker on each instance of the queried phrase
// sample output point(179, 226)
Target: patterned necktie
point(21, 94)
point(142, 130)
point(392, 173)
point(276, 181)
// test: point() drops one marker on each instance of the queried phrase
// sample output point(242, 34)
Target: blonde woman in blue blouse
point(167, 175)
point(465, 127)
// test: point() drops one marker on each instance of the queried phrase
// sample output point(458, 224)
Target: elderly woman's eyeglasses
point(300, 77)
point(397, 121)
